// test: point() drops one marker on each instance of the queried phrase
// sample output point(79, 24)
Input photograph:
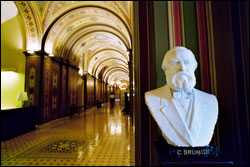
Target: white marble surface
point(185, 115)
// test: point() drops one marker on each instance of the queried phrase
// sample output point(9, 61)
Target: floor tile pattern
point(96, 137)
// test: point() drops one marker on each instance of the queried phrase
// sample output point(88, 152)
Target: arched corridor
point(64, 63)
point(97, 137)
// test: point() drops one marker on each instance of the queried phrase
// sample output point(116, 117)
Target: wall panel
point(55, 90)
point(89, 91)
point(64, 109)
point(47, 91)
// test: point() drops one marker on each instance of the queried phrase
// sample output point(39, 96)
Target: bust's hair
point(173, 51)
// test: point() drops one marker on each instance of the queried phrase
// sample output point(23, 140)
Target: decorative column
point(37, 83)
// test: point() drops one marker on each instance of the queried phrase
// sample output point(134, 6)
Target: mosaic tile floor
point(97, 137)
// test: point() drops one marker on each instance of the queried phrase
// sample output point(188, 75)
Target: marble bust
point(185, 115)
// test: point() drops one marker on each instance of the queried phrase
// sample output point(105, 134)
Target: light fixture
point(128, 53)
point(80, 72)
point(22, 96)
point(30, 51)
point(51, 55)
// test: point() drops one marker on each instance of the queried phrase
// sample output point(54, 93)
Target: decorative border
point(123, 13)
point(30, 23)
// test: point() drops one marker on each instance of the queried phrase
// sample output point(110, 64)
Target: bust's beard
point(181, 81)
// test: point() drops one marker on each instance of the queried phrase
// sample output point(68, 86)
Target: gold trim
point(38, 20)
point(30, 24)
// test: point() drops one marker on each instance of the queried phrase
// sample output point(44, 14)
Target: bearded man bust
point(185, 115)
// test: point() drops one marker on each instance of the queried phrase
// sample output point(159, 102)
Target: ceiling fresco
point(47, 11)
point(95, 36)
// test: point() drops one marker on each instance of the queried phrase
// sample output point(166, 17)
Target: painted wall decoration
point(89, 91)
point(64, 110)
point(31, 83)
point(80, 92)
point(55, 8)
point(38, 15)
point(98, 89)
point(73, 77)
point(55, 90)
point(32, 37)
point(46, 109)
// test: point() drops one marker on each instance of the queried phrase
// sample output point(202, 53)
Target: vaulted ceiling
point(92, 35)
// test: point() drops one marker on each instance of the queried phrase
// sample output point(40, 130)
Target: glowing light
point(90, 147)
point(33, 46)
point(80, 71)
point(51, 55)
point(48, 47)
point(10, 86)
point(30, 51)
point(8, 10)
point(129, 147)
point(79, 155)
point(128, 53)
point(9, 76)
point(115, 129)
point(118, 82)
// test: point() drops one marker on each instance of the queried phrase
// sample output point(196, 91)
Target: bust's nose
point(183, 66)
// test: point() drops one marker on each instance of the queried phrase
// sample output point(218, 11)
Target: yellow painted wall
point(12, 47)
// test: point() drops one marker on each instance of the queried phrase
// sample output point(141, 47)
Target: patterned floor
point(97, 137)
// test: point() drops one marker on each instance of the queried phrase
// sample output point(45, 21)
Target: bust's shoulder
point(205, 95)
point(153, 97)
point(158, 92)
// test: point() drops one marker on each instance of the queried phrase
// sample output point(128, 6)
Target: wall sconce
point(22, 96)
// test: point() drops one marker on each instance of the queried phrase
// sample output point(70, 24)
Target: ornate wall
point(53, 86)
